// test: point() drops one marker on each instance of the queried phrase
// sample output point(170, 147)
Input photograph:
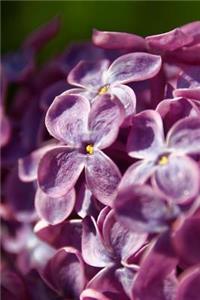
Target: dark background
point(19, 18)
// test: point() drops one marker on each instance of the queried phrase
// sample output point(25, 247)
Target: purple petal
point(28, 166)
point(133, 67)
point(102, 177)
point(138, 173)
point(123, 242)
point(105, 119)
point(67, 118)
point(86, 204)
point(193, 93)
point(90, 294)
point(157, 282)
point(54, 210)
point(192, 29)
point(168, 41)
point(88, 74)
point(93, 251)
point(126, 96)
point(140, 209)
point(186, 241)
point(189, 285)
point(106, 281)
point(145, 139)
point(172, 110)
point(59, 170)
point(42, 35)
point(65, 234)
point(184, 136)
point(178, 179)
point(118, 40)
point(65, 273)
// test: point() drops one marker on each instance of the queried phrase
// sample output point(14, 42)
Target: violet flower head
point(84, 133)
point(108, 245)
point(174, 174)
point(98, 78)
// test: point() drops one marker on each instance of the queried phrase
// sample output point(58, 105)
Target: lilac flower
point(110, 246)
point(85, 132)
point(96, 78)
point(139, 208)
point(175, 174)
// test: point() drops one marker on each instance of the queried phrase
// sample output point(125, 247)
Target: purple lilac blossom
point(84, 133)
point(127, 228)
point(98, 78)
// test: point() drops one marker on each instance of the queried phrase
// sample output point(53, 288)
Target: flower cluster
point(100, 157)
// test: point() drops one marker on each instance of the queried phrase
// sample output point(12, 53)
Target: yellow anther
point(163, 160)
point(89, 149)
point(103, 89)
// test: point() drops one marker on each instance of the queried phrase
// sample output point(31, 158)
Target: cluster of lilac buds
point(100, 168)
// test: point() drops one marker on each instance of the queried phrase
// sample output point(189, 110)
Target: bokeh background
point(79, 17)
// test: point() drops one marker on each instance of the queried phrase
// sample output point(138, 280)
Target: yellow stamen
point(163, 160)
point(103, 89)
point(89, 149)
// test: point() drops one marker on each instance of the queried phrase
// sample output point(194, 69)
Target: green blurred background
point(79, 17)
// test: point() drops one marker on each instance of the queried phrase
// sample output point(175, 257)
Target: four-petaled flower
point(82, 133)
point(175, 174)
point(97, 78)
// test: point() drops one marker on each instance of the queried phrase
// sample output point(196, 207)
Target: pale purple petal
point(91, 294)
point(193, 93)
point(105, 119)
point(126, 96)
point(65, 273)
point(184, 136)
point(138, 173)
point(126, 277)
point(88, 74)
point(54, 210)
point(59, 170)
point(102, 177)
point(123, 242)
point(168, 41)
point(189, 285)
point(146, 138)
point(133, 67)
point(28, 165)
point(118, 40)
point(186, 241)
point(179, 179)
point(107, 282)
point(93, 250)
point(172, 110)
point(140, 209)
point(67, 118)
point(65, 234)
point(86, 204)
